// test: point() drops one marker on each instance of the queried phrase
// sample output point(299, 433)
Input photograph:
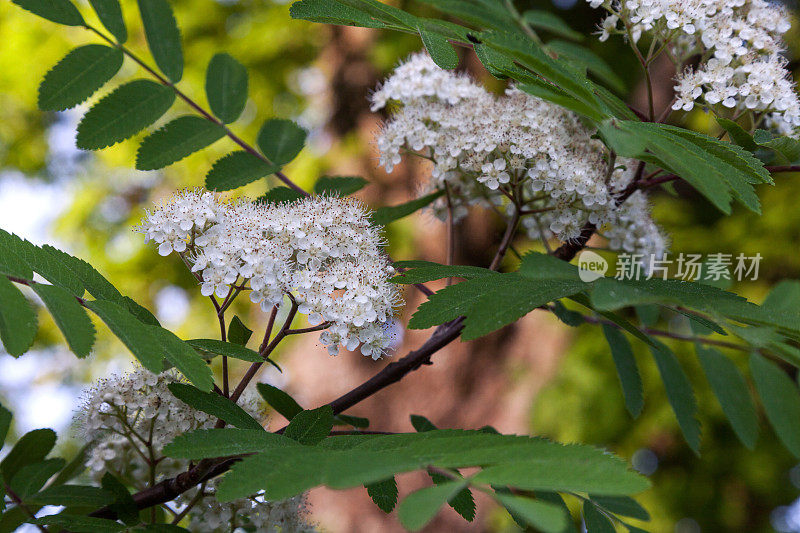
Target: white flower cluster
point(127, 418)
point(323, 249)
point(740, 45)
point(482, 146)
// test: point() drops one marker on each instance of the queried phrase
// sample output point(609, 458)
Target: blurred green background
point(320, 76)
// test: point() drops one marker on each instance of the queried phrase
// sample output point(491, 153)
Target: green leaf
point(11, 259)
point(386, 215)
point(58, 11)
point(69, 316)
point(332, 12)
point(596, 521)
point(80, 524)
point(18, 323)
point(110, 14)
point(73, 496)
point(720, 171)
point(490, 306)
point(237, 169)
point(280, 195)
point(627, 370)
point(222, 442)
point(238, 333)
point(123, 113)
point(74, 468)
point(163, 37)
point(545, 20)
point(737, 134)
point(48, 262)
point(124, 506)
point(178, 139)
point(78, 76)
point(228, 349)
point(424, 271)
point(279, 400)
point(679, 394)
point(5, 424)
point(584, 58)
point(551, 93)
point(421, 423)
point(31, 448)
point(384, 494)
point(133, 334)
point(440, 50)
point(462, 502)
point(226, 87)
point(183, 357)
point(781, 401)
point(419, 507)
point(622, 505)
point(214, 404)
point(480, 13)
point(31, 478)
point(541, 515)
point(339, 185)
point(787, 148)
point(281, 140)
point(732, 391)
point(312, 426)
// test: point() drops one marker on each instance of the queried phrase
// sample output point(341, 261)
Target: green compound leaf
point(163, 37)
point(350, 461)
point(69, 316)
point(222, 442)
point(280, 195)
point(719, 170)
point(58, 11)
point(110, 14)
point(123, 113)
point(281, 140)
point(543, 516)
point(385, 215)
point(312, 426)
point(419, 507)
point(18, 322)
point(178, 139)
point(226, 87)
point(340, 185)
point(383, 494)
point(76, 77)
point(237, 169)
point(438, 47)
point(733, 394)
point(781, 401)
point(627, 369)
point(679, 393)
point(279, 400)
point(424, 271)
point(214, 404)
point(31, 448)
point(584, 58)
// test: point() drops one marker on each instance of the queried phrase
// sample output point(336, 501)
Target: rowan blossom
point(127, 420)
point(740, 45)
point(479, 144)
point(323, 250)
